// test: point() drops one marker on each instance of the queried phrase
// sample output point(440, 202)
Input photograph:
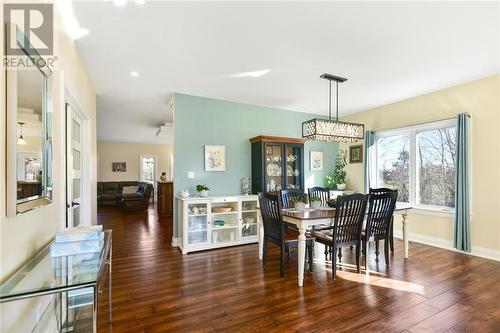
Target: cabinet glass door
point(273, 167)
point(294, 162)
point(248, 218)
point(198, 223)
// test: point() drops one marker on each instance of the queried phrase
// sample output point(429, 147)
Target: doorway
point(78, 205)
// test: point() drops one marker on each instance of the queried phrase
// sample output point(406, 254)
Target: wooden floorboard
point(157, 289)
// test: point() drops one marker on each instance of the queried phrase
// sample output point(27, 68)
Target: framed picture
point(356, 154)
point(215, 158)
point(316, 160)
point(119, 166)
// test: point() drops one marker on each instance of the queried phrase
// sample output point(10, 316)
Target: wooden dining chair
point(378, 222)
point(287, 195)
point(346, 230)
point(322, 193)
point(275, 230)
point(381, 190)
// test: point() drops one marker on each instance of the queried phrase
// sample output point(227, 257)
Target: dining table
point(309, 217)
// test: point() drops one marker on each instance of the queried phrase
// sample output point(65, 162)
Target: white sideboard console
point(217, 221)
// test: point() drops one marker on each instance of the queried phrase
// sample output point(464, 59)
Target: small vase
point(341, 187)
point(316, 204)
point(203, 194)
point(300, 206)
point(163, 178)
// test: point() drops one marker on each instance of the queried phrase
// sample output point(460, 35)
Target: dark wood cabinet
point(277, 163)
point(165, 196)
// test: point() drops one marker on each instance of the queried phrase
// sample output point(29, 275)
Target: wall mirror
point(29, 132)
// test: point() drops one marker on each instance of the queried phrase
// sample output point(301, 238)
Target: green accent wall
point(200, 121)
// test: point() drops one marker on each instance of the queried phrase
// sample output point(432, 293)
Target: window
point(419, 161)
point(147, 168)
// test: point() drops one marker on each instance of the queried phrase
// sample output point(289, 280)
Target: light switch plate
point(191, 174)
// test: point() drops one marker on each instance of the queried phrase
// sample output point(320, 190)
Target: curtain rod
point(423, 123)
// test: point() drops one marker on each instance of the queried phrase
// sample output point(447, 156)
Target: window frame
point(412, 132)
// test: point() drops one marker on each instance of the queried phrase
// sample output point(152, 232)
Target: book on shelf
point(79, 234)
point(78, 247)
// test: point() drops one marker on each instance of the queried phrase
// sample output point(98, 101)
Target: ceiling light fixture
point(119, 3)
point(332, 130)
point(252, 74)
point(20, 140)
point(134, 74)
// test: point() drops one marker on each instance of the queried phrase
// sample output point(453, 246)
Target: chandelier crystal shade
point(328, 130)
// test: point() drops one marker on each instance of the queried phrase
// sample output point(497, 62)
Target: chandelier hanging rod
point(337, 80)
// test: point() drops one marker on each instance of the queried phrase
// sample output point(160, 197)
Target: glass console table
point(74, 282)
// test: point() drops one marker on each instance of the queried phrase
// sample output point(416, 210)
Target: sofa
point(111, 193)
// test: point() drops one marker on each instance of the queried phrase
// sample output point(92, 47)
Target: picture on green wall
point(316, 160)
point(215, 158)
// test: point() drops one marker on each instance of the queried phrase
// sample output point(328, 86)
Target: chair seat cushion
point(323, 236)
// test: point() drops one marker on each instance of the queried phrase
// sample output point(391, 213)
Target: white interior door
point(74, 167)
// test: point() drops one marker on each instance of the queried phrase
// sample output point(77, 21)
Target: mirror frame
point(13, 207)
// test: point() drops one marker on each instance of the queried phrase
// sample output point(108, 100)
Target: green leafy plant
point(200, 188)
point(339, 173)
point(330, 183)
point(332, 202)
point(314, 199)
point(299, 198)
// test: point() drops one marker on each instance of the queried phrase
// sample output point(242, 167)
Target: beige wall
point(109, 152)
point(23, 235)
point(481, 99)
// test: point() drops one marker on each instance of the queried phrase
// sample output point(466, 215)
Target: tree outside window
point(420, 163)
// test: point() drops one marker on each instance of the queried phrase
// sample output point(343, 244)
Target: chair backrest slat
point(349, 215)
point(270, 206)
point(380, 211)
point(287, 195)
point(322, 193)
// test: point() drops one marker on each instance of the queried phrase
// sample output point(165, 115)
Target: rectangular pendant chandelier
point(332, 131)
point(328, 130)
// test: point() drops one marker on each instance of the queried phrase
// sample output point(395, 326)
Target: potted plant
point(332, 203)
point(202, 190)
point(330, 183)
point(299, 202)
point(163, 176)
point(339, 173)
point(315, 202)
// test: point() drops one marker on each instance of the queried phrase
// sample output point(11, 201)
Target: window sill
point(422, 210)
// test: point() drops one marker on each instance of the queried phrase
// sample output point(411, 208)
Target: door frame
point(86, 144)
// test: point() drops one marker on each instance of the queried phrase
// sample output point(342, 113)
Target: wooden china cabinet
point(277, 163)
point(165, 200)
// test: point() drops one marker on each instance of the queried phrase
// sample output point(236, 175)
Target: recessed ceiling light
point(120, 3)
point(134, 74)
point(252, 74)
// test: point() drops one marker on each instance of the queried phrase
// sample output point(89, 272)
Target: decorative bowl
point(221, 209)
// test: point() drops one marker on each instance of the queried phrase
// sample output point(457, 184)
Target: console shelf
point(197, 232)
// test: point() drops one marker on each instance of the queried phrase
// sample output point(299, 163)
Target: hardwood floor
point(157, 289)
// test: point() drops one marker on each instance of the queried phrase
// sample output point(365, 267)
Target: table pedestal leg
point(260, 236)
point(302, 254)
point(405, 235)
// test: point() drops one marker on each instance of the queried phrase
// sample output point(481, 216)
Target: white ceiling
point(389, 51)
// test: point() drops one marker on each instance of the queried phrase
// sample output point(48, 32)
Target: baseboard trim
point(446, 244)
point(175, 241)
